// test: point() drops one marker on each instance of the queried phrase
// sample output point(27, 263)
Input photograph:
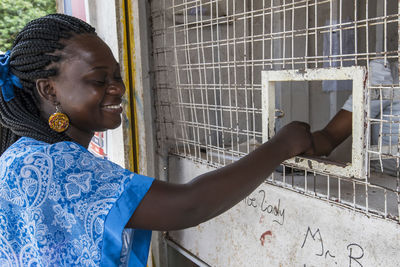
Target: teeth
point(113, 106)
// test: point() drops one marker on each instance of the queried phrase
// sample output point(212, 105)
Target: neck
point(82, 138)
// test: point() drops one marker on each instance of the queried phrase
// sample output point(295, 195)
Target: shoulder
point(60, 159)
point(29, 151)
point(66, 151)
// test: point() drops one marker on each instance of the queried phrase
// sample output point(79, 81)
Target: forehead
point(88, 49)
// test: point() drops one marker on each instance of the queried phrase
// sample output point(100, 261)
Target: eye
point(99, 82)
point(117, 76)
point(118, 79)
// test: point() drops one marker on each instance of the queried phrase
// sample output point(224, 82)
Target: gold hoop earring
point(58, 121)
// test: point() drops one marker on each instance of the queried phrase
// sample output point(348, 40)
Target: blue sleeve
point(77, 205)
point(115, 223)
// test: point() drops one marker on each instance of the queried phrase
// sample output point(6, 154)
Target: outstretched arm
point(173, 206)
point(327, 139)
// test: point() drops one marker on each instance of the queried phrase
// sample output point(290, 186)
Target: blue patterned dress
point(62, 206)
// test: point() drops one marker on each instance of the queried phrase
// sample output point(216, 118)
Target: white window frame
point(359, 164)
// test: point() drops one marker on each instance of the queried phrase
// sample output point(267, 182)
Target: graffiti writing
point(259, 201)
point(314, 240)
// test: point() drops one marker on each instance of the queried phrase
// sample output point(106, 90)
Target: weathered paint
point(358, 75)
point(144, 101)
point(129, 69)
point(298, 231)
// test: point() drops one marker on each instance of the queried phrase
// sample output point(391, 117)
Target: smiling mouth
point(113, 108)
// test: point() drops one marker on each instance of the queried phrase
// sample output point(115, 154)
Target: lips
point(117, 108)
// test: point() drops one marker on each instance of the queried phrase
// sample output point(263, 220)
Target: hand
point(326, 140)
point(295, 138)
point(323, 144)
point(311, 151)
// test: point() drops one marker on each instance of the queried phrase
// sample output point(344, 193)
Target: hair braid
point(30, 58)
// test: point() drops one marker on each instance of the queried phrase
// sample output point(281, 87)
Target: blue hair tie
point(7, 79)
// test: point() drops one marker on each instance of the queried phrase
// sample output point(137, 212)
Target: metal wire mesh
point(208, 57)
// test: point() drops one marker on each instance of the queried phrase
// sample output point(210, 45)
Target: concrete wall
point(277, 227)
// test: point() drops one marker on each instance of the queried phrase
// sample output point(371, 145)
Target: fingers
point(307, 141)
point(297, 137)
point(304, 124)
point(310, 151)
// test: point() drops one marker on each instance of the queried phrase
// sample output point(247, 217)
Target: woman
point(60, 205)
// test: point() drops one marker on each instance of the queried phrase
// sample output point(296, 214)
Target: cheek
point(81, 101)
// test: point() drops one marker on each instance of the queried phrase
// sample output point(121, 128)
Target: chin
point(112, 126)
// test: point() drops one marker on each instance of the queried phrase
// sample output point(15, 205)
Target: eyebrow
point(103, 67)
point(99, 67)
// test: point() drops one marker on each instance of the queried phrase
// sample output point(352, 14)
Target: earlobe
point(45, 90)
point(58, 121)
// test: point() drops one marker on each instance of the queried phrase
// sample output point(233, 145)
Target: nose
point(116, 88)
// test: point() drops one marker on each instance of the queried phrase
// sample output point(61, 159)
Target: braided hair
point(32, 57)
